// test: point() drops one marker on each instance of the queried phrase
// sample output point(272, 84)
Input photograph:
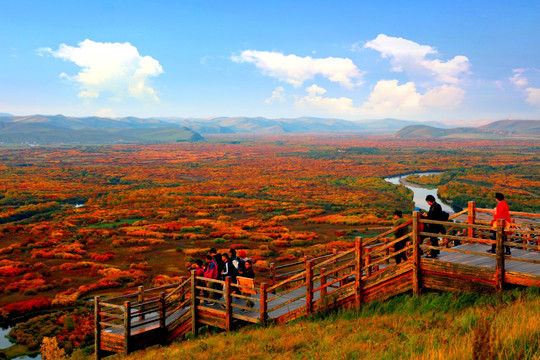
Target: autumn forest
point(80, 221)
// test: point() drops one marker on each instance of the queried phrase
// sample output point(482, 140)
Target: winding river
point(420, 193)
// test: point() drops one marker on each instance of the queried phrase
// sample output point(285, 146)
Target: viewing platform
point(341, 279)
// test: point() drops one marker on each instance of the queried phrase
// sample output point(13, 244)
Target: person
point(435, 213)
point(228, 268)
point(237, 262)
point(242, 255)
point(218, 260)
point(249, 273)
point(211, 272)
point(501, 212)
point(398, 220)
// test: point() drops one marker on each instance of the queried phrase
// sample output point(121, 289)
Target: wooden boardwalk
point(341, 279)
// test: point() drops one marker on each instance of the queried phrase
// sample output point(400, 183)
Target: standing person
point(237, 262)
point(248, 273)
point(218, 260)
point(501, 212)
point(228, 268)
point(435, 213)
point(211, 272)
point(398, 220)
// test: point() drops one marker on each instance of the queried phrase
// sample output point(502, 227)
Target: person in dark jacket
point(228, 268)
point(248, 272)
point(435, 213)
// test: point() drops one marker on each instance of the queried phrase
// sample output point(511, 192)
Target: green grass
point(433, 326)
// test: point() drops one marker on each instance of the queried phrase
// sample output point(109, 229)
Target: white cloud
point(296, 70)
point(315, 100)
point(107, 113)
point(408, 56)
point(519, 79)
point(533, 96)
point(115, 68)
point(278, 95)
point(444, 97)
point(388, 98)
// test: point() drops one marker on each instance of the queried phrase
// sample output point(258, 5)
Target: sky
point(450, 61)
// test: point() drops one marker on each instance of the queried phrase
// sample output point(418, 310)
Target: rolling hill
point(529, 129)
point(40, 129)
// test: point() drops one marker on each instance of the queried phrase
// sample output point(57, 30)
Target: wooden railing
point(347, 278)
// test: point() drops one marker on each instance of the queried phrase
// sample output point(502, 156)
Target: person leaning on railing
point(501, 212)
point(435, 213)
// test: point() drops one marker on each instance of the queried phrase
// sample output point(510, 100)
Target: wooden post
point(499, 269)
point(309, 288)
point(264, 304)
point(182, 290)
point(97, 328)
point(417, 252)
point(334, 253)
point(387, 251)
point(471, 217)
point(228, 307)
point(273, 276)
point(367, 261)
point(194, 303)
point(358, 247)
point(140, 299)
point(127, 326)
point(323, 282)
point(162, 315)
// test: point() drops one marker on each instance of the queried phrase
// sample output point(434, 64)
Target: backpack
point(444, 216)
point(238, 263)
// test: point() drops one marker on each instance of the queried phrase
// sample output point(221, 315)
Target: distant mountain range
point(60, 129)
point(260, 125)
point(529, 129)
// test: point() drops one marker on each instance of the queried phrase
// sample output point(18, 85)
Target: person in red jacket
point(211, 272)
point(501, 212)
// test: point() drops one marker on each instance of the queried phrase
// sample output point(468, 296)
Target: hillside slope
point(59, 129)
point(497, 130)
point(434, 326)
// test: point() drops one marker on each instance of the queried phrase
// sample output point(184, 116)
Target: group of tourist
point(220, 266)
point(501, 212)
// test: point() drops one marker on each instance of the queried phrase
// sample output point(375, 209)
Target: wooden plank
point(472, 273)
point(522, 279)
point(443, 282)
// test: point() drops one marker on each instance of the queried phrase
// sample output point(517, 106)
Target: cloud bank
point(114, 68)
point(295, 70)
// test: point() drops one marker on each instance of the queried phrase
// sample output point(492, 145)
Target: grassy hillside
point(434, 326)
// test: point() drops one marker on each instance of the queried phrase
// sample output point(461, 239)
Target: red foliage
point(102, 257)
point(23, 307)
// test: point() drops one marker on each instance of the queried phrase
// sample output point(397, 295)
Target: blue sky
point(453, 61)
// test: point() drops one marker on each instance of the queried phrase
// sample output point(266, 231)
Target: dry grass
point(445, 326)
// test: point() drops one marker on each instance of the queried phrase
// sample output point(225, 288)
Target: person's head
point(242, 254)
point(213, 251)
point(232, 252)
point(225, 257)
point(209, 258)
point(430, 199)
point(199, 263)
point(499, 196)
point(398, 214)
point(248, 264)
